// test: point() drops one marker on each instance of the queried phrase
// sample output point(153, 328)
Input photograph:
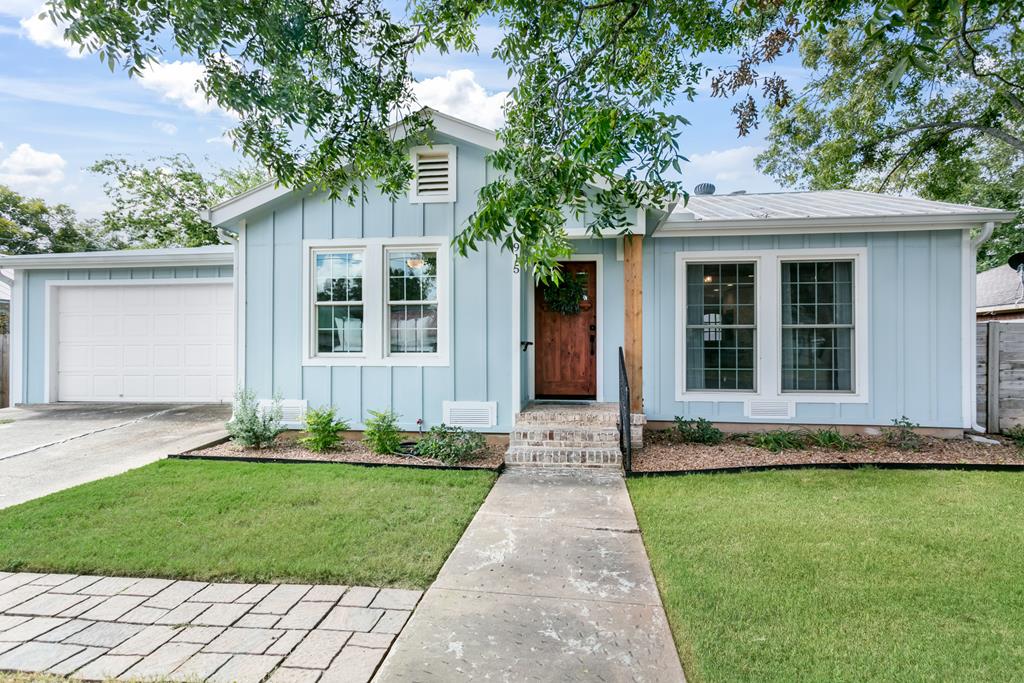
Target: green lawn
point(816, 575)
point(250, 521)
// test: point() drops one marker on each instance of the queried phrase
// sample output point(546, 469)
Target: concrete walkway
point(48, 448)
point(97, 628)
point(550, 582)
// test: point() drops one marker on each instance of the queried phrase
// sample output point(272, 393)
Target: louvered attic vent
point(435, 174)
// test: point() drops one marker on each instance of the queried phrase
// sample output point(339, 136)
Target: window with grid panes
point(412, 301)
point(338, 307)
point(721, 326)
point(817, 326)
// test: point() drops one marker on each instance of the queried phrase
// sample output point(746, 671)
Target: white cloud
point(31, 169)
point(457, 93)
point(43, 32)
point(178, 82)
point(19, 8)
point(222, 139)
point(165, 127)
point(729, 169)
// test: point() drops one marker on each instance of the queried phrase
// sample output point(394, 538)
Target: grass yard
point(816, 575)
point(250, 522)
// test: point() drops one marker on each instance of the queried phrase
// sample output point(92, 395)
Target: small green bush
point(252, 427)
point(831, 438)
point(777, 440)
point(902, 435)
point(1016, 435)
point(382, 435)
point(450, 445)
point(322, 429)
point(698, 431)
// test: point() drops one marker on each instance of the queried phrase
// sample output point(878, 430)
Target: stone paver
point(99, 628)
point(549, 582)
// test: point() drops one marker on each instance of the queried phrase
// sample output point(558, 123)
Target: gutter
point(986, 233)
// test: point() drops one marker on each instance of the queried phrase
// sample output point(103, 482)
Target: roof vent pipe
point(704, 189)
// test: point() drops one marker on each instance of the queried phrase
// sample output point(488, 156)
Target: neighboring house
point(790, 308)
point(5, 298)
point(1000, 294)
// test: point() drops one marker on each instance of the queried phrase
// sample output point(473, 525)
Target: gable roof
point(1000, 288)
point(234, 208)
point(821, 211)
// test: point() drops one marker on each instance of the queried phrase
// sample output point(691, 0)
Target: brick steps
point(559, 435)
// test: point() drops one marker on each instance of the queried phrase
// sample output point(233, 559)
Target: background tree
point(31, 226)
point(926, 98)
point(157, 203)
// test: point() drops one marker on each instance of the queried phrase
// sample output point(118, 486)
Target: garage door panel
point(167, 342)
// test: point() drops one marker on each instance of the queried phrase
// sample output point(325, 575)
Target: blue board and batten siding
point(914, 327)
point(480, 300)
point(34, 327)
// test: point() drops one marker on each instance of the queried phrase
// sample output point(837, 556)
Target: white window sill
point(367, 362)
point(744, 397)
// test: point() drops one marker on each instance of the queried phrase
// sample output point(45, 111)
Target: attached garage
point(140, 326)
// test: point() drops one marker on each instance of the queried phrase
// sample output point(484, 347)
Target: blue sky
point(61, 111)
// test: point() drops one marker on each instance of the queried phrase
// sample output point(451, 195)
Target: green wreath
point(566, 297)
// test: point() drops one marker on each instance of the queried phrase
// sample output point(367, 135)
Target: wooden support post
point(992, 383)
point(633, 282)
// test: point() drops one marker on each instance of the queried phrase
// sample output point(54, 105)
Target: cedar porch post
point(633, 281)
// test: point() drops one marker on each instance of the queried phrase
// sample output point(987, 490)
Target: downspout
point(986, 232)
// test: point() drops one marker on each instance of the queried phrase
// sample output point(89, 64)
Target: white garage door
point(169, 342)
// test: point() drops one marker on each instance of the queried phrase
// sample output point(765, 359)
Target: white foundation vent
point(293, 411)
point(765, 410)
point(470, 414)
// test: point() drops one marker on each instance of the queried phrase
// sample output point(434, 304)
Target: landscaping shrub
point(450, 445)
point(322, 429)
point(382, 435)
point(831, 438)
point(777, 440)
point(902, 435)
point(252, 427)
point(698, 431)
point(1016, 435)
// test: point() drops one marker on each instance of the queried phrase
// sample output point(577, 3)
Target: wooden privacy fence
point(1000, 375)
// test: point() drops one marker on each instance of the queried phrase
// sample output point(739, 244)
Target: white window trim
point(414, 196)
point(375, 349)
point(768, 291)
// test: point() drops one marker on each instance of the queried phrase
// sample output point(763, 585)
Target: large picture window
point(817, 325)
point(721, 326)
point(339, 301)
point(412, 301)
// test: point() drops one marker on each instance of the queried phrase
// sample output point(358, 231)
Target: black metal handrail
point(625, 422)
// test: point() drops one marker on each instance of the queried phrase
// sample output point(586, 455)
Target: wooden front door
point(566, 345)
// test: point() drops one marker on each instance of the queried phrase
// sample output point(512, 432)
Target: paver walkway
point(550, 582)
point(95, 628)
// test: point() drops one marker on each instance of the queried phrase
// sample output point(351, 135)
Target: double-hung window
point(721, 326)
point(377, 302)
point(338, 306)
point(412, 301)
point(817, 325)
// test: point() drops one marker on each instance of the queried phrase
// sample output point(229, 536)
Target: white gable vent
point(470, 414)
point(435, 174)
point(293, 411)
point(770, 409)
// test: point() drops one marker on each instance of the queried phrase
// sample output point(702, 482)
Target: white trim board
point(531, 302)
point(767, 287)
point(17, 329)
point(374, 303)
point(220, 255)
point(804, 226)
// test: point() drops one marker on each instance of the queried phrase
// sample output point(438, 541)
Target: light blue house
point(829, 308)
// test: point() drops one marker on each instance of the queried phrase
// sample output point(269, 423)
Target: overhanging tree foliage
point(317, 83)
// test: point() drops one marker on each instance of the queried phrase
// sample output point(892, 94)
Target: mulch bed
point(662, 452)
point(355, 452)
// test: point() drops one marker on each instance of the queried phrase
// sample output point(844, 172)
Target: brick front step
point(563, 457)
point(561, 435)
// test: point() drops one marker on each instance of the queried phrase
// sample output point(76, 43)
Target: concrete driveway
point(46, 448)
